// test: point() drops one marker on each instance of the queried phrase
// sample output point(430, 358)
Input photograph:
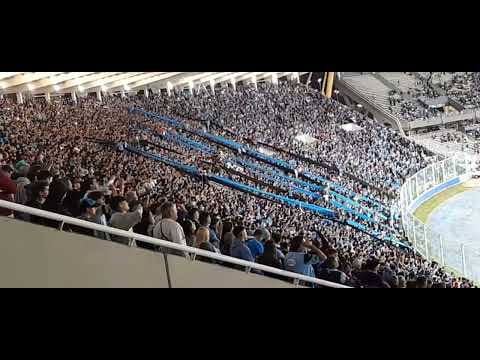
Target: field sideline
point(426, 209)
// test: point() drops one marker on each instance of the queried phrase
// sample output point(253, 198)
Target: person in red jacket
point(8, 188)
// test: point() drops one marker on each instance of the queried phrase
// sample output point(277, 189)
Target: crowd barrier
point(418, 189)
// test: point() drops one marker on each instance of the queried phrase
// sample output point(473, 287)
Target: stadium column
point(295, 77)
point(212, 85)
point(145, 92)
point(123, 93)
point(47, 97)
point(253, 80)
point(99, 95)
point(74, 96)
point(329, 88)
point(275, 79)
point(19, 98)
point(234, 84)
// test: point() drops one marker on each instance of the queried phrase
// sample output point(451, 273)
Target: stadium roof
point(66, 82)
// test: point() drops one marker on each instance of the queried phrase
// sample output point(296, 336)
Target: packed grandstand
point(269, 173)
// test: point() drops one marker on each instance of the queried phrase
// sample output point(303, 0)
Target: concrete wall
point(36, 256)
point(378, 114)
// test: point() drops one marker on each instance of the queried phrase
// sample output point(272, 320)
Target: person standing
point(8, 189)
point(300, 260)
point(123, 219)
point(168, 228)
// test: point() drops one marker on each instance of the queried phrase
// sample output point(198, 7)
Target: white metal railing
point(249, 266)
point(426, 241)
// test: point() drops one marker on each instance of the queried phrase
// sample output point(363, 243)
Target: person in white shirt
point(168, 228)
point(123, 219)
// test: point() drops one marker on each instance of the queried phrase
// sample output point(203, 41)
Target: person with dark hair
point(368, 277)
point(238, 248)
point(145, 227)
point(421, 282)
point(300, 261)
point(40, 191)
point(194, 215)
point(439, 285)
point(205, 221)
point(227, 238)
point(88, 209)
point(8, 189)
point(255, 244)
point(331, 273)
point(54, 203)
point(123, 219)
point(189, 230)
point(269, 257)
point(73, 198)
point(277, 240)
point(44, 175)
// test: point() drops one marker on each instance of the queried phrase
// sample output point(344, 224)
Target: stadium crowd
point(71, 159)
point(461, 87)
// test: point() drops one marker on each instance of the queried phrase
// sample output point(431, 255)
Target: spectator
point(277, 239)
point(123, 219)
point(189, 230)
point(203, 243)
point(227, 238)
point(194, 215)
point(255, 244)
point(299, 260)
point(331, 273)
point(88, 209)
point(369, 278)
point(421, 282)
point(269, 256)
point(145, 227)
point(8, 189)
point(54, 203)
point(168, 229)
point(40, 192)
point(22, 182)
point(205, 221)
point(238, 248)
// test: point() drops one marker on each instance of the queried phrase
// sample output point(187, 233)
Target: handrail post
point(442, 259)
point(60, 228)
point(426, 242)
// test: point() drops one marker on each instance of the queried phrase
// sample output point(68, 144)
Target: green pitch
point(424, 211)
